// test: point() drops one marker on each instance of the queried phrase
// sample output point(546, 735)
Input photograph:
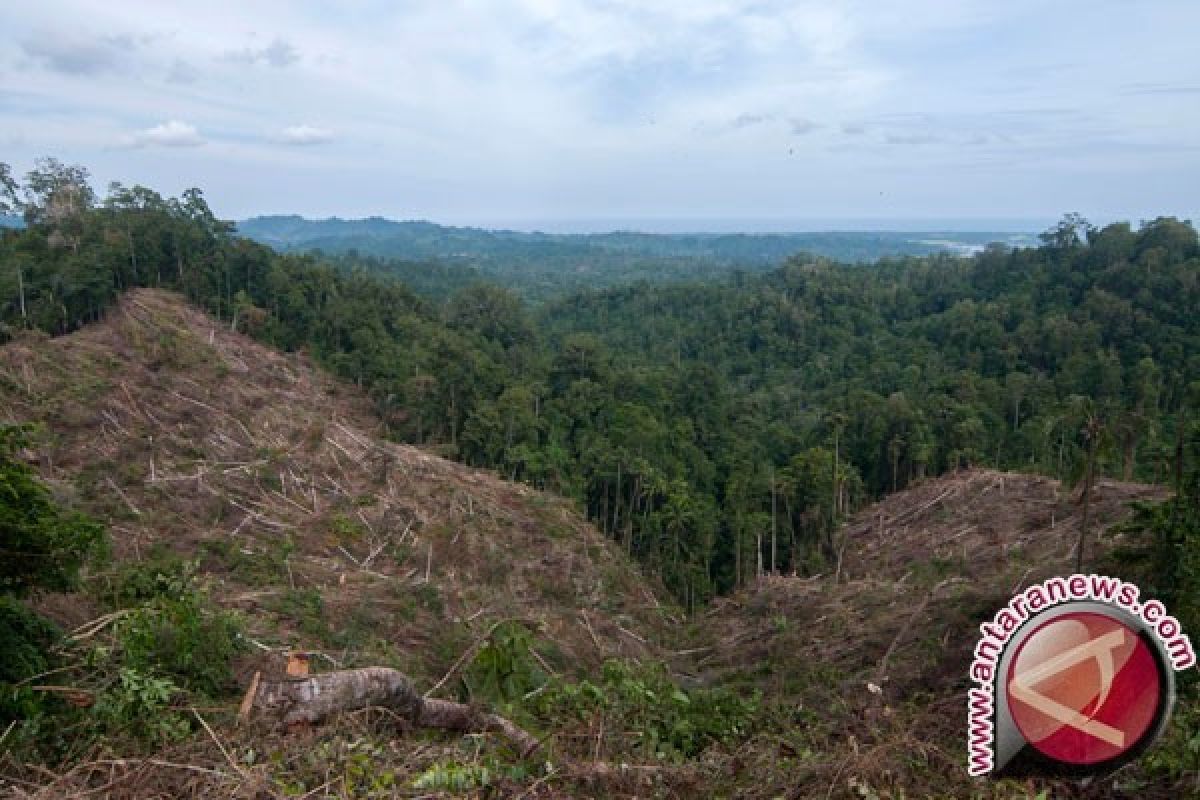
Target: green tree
point(9, 202)
point(43, 545)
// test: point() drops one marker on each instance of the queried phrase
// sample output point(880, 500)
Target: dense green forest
point(715, 430)
point(542, 266)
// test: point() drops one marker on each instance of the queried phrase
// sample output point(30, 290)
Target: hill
point(191, 438)
point(872, 656)
point(544, 265)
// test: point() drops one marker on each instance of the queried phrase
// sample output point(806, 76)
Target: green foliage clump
point(138, 704)
point(184, 638)
point(26, 637)
point(669, 722)
point(1166, 551)
point(161, 574)
point(454, 777)
point(504, 670)
point(42, 544)
point(171, 628)
point(42, 547)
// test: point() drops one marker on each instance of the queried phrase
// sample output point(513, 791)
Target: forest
point(183, 509)
point(544, 266)
point(717, 430)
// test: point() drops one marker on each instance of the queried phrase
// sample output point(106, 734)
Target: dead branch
point(123, 496)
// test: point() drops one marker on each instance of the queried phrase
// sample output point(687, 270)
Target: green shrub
point(162, 574)
point(26, 637)
point(454, 777)
point(671, 723)
point(138, 704)
point(44, 545)
point(504, 670)
point(185, 639)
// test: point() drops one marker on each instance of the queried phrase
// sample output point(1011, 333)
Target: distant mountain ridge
point(421, 239)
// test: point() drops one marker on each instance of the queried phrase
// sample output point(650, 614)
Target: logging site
point(538, 399)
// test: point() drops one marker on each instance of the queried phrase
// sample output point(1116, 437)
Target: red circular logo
point(1083, 688)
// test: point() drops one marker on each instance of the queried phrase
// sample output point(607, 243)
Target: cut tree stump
point(312, 699)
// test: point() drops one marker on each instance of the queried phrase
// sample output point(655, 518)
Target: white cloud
point(304, 135)
point(172, 133)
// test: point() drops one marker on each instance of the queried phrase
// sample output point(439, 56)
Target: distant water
point(760, 225)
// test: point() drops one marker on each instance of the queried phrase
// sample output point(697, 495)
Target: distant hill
point(11, 221)
point(422, 239)
point(540, 264)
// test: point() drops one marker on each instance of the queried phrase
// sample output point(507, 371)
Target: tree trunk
point(310, 700)
point(1089, 481)
point(1128, 455)
point(21, 292)
point(737, 553)
point(773, 525)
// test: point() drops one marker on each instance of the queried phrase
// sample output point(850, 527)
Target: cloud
point(910, 138)
point(279, 53)
point(801, 126)
point(73, 55)
point(182, 72)
point(798, 126)
point(747, 120)
point(854, 128)
point(1159, 88)
point(172, 133)
point(304, 135)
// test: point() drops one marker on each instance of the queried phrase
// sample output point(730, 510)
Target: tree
point(43, 545)
point(56, 193)
point(1097, 439)
point(1170, 533)
point(1070, 232)
point(9, 203)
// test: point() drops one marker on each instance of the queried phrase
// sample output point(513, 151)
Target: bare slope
point(874, 658)
point(185, 435)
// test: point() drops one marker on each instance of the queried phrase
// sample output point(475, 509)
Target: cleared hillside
point(273, 478)
point(872, 659)
point(186, 436)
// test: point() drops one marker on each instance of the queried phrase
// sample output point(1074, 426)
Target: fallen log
point(312, 699)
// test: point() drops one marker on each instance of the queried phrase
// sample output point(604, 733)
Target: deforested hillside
point(872, 655)
point(197, 441)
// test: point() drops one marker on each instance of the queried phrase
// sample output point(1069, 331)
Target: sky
point(785, 114)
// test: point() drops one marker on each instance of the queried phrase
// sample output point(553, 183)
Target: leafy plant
point(186, 639)
point(504, 670)
point(43, 544)
point(139, 704)
point(669, 722)
point(453, 778)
